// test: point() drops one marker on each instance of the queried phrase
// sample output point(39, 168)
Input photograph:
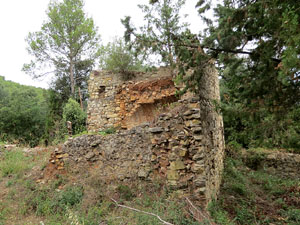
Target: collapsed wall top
point(116, 103)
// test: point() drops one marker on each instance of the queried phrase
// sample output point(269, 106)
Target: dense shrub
point(117, 57)
point(258, 126)
point(72, 112)
point(22, 113)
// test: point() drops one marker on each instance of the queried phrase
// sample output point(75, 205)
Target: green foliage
point(96, 213)
point(14, 163)
point(156, 36)
point(22, 113)
point(254, 196)
point(44, 202)
point(73, 113)
point(125, 192)
point(254, 159)
point(259, 67)
point(293, 215)
point(118, 58)
point(55, 127)
point(3, 213)
point(110, 130)
point(67, 43)
point(71, 196)
point(218, 213)
point(235, 181)
point(260, 128)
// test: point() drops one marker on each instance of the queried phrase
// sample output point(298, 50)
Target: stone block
point(156, 130)
point(172, 175)
point(177, 165)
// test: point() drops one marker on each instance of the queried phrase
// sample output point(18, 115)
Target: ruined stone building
point(160, 135)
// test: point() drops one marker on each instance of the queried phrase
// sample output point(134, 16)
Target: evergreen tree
point(256, 44)
point(257, 47)
point(155, 37)
point(67, 42)
point(118, 58)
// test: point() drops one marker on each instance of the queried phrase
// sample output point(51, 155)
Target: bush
point(117, 57)
point(44, 202)
point(73, 113)
point(261, 128)
point(125, 192)
point(22, 113)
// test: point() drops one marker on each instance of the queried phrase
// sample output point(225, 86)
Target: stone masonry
point(115, 103)
point(179, 141)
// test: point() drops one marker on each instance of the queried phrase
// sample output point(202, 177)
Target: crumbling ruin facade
point(115, 103)
point(159, 136)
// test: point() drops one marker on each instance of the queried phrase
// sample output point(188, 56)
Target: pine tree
point(67, 43)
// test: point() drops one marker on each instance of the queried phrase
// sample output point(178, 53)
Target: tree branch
point(197, 214)
point(217, 50)
point(140, 211)
point(238, 51)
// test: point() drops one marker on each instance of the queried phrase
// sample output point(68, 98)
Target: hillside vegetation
point(23, 112)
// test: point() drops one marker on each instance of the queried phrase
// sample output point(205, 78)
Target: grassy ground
point(28, 197)
point(253, 196)
point(30, 194)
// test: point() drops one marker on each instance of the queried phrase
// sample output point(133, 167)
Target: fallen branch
point(140, 211)
point(198, 214)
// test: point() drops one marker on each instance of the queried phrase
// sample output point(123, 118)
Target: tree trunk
point(72, 78)
point(80, 98)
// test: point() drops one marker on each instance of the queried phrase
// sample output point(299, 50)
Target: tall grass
point(14, 163)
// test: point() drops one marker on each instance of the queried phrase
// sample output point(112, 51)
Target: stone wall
point(276, 162)
point(172, 148)
point(178, 140)
point(116, 103)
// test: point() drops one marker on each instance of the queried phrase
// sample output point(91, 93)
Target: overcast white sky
point(19, 17)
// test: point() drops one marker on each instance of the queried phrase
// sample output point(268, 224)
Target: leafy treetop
point(67, 42)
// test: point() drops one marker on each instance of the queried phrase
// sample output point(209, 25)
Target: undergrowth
point(250, 195)
point(14, 163)
point(83, 199)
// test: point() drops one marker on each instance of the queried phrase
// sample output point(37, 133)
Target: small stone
point(197, 130)
point(192, 111)
point(95, 143)
point(65, 155)
point(192, 123)
point(199, 182)
point(58, 151)
point(200, 191)
point(198, 137)
point(163, 170)
point(143, 173)
point(172, 175)
point(59, 156)
point(182, 152)
point(195, 116)
point(187, 113)
point(156, 129)
point(198, 156)
point(9, 147)
point(184, 143)
point(173, 156)
point(90, 155)
point(164, 163)
point(177, 165)
point(153, 158)
point(197, 167)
